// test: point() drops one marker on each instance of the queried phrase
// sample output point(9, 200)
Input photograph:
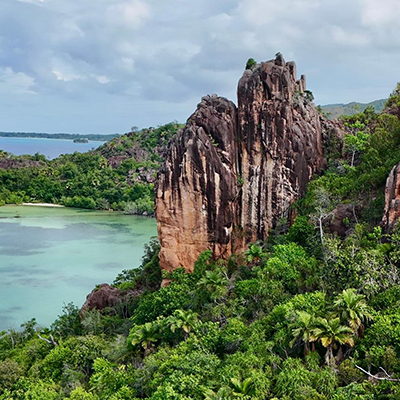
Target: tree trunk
point(306, 348)
point(328, 355)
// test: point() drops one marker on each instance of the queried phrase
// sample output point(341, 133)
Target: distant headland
point(67, 136)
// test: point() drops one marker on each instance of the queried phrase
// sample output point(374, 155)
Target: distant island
point(69, 136)
point(81, 140)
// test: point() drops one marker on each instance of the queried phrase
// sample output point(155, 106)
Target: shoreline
point(43, 205)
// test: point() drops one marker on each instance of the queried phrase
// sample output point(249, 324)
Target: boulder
point(101, 297)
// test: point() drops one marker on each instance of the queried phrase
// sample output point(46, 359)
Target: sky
point(103, 66)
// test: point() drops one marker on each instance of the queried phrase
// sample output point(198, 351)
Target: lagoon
point(51, 148)
point(52, 256)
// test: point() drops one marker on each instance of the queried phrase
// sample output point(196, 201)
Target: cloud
point(15, 83)
point(129, 14)
point(144, 62)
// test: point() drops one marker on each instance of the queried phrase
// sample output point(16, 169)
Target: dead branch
point(389, 378)
point(51, 341)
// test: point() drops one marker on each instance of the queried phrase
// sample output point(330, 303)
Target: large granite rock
point(231, 174)
point(197, 186)
point(392, 199)
point(280, 145)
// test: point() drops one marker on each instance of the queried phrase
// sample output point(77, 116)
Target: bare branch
point(51, 341)
point(378, 377)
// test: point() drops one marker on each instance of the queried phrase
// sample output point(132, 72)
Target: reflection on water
point(52, 256)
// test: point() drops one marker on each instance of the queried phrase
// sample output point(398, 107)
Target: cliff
point(232, 173)
point(197, 186)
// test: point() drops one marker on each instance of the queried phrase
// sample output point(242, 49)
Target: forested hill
point(308, 315)
point(312, 313)
point(118, 175)
point(337, 110)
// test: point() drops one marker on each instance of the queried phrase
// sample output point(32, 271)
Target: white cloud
point(66, 77)
point(380, 13)
point(12, 82)
point(102, 79)
point(130, 14)
point(37, 2)
point(174, 51)
point(350, 37)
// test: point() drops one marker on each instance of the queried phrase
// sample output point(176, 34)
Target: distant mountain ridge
point(336, 110)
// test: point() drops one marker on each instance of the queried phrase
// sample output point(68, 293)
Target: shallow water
point(52, 256)
point(51, 148)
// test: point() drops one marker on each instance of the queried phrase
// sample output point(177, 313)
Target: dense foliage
point(276, 322)
point(118, 175)
point(312, 314)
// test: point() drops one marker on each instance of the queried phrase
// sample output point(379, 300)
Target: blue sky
point(102, 66)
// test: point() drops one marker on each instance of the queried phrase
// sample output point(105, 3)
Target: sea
point(51, 256)
point(51, 148)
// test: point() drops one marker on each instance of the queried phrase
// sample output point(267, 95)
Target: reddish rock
point(280, 145)
point(197, 186)
point(231, 174)
point(392, 199)
point(340, 214)
point(101, 297)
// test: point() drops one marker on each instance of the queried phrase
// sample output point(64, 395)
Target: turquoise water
point(52, 256)
point(51, 148)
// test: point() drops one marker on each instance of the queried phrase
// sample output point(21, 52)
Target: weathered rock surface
point(281, 145)
point(231, 174)
point(392, 199)
point(197, 186)
point(102, 297)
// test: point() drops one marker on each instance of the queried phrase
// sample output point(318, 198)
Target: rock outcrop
point(280, 145)
point(102, 297)
point(392, 199)
point(232, 173)
point(197, 186)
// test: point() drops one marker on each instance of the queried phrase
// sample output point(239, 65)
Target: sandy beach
point(42, 204)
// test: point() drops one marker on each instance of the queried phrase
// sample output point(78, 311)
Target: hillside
point(118, 175)
point(337, 110)
point(308, 311)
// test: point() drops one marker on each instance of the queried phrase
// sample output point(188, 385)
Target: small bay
point(53, 256)
point(51, 148)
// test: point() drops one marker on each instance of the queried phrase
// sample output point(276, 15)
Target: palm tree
point(146, 335)
point(214, 282)
point(305, 324)
point(330, 333)
point(243, 389)
point(185, 320)
point(352, 308)
point(254, 254)
point(223, 393)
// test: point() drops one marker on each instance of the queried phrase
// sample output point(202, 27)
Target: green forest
point(306, 315)
point(119, 175)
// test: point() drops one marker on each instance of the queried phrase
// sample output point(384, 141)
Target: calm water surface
point(52, 256)
point(51, 148)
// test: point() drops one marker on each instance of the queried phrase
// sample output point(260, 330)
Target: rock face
point(197, 186)
point(232, 173)
point(280, 145)
point(392, 199)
